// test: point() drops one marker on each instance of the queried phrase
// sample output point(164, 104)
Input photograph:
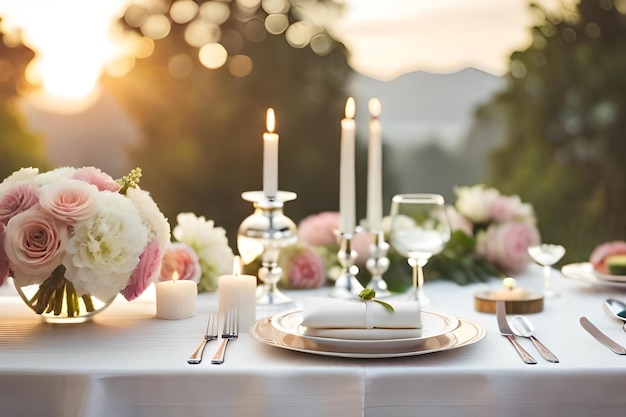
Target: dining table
point(128, 362)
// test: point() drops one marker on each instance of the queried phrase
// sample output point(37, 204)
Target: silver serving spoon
point(615, 309)
point(521, 326)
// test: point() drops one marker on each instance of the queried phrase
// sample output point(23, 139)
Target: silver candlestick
point(265, 233)
point(377, 264)
point(347, 286)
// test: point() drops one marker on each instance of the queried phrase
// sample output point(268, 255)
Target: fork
point(210, 334)
point(230, 332)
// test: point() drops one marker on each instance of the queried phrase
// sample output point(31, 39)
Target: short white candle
point(176, 299)
point(270, 156)
point(374, 169)
point(347, 204)
point(238, 291)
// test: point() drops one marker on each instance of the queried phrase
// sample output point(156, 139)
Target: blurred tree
point(203, 127)
point(565, 112)
point(18, 147)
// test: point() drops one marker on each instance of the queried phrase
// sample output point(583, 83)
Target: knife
point(601, 337)
point(506, 331)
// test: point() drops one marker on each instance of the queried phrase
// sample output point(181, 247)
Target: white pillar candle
point(347, 204)
point(176, 299)
point(270, 156)
point(238, 291)
point(374, 169)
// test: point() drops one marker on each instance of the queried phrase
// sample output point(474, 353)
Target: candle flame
point(270, 121)
point(350, 108)
point(374, 107)
point(175, 276)
point(509, 283)
point(237, 265)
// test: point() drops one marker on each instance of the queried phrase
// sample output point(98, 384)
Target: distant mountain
point(421, 107)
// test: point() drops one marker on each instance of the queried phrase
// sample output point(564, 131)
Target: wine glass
point(419, 230)
point(547, 255)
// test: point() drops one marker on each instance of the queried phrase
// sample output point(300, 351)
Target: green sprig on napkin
point(369, 294)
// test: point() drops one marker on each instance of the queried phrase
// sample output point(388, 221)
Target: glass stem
point(546, 277)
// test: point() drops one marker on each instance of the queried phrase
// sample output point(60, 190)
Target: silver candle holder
point(377, 264)
point(264, 234)
point(346, 285)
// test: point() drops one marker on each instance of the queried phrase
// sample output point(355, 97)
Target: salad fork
point(210, 334)
point(230, 332)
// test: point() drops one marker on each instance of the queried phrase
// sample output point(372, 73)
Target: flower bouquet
point(75, 233)
point(491, 234)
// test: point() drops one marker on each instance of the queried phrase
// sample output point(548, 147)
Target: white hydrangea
point(104, 250)
point(24, 174)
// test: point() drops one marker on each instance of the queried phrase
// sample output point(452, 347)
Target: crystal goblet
point(547, 255)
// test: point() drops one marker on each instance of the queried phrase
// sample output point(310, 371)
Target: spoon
point(615, 309)
point(521, 326)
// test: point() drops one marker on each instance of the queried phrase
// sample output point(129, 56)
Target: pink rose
point(319, 229)
point(503, 208)
point(17, 199)
point(149, 263)
point(100, 179)
point(34, 243)
point(361, 243)
point(180, 258)
point(306, 270)
point(4, 262)
point(506, 244)
point(70, 201)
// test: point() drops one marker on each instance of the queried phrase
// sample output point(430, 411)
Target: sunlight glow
point(73, 42)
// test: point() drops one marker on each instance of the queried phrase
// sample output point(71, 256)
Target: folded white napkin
point(353, 319)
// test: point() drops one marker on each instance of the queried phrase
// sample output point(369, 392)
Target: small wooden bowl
point(531, 303)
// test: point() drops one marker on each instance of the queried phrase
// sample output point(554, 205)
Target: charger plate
point(465, 334)
point(433, 324)
point(584, 272)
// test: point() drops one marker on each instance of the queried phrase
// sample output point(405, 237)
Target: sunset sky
point(386, 37)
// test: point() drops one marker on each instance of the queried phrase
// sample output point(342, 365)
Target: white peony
point(209, 242)
point(104, 250)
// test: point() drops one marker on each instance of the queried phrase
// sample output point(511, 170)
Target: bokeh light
point(183, 11)
point(156, 27)
point(240, 65)
point(199, 33)
point(213, 55)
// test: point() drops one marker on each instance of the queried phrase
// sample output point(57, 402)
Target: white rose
point(474, 202)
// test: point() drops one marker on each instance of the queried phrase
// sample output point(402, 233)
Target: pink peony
point(148, 267)
point(70, 201)
point(35, 244)
point(319, 229)
point(100, 179)
point(506, 244)
point(18, 199)
point(4, 262)
point(307, 270)
point(181, 258)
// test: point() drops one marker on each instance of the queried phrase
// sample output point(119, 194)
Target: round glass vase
point(56, 301)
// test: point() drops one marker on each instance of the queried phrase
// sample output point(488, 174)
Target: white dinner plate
point(584, 272)
point(465, 334)
point(433, 325)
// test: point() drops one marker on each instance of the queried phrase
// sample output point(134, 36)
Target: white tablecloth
point(128, 363)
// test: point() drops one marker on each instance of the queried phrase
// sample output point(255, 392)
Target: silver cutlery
point(522, 327)
point(615, 309)
point(230, 332)
point(601, 337)
point(210, 334)
point(506, 331)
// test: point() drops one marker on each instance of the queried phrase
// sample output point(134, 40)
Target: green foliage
point(203, 142)
point(565, 112)
point(18, 146)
